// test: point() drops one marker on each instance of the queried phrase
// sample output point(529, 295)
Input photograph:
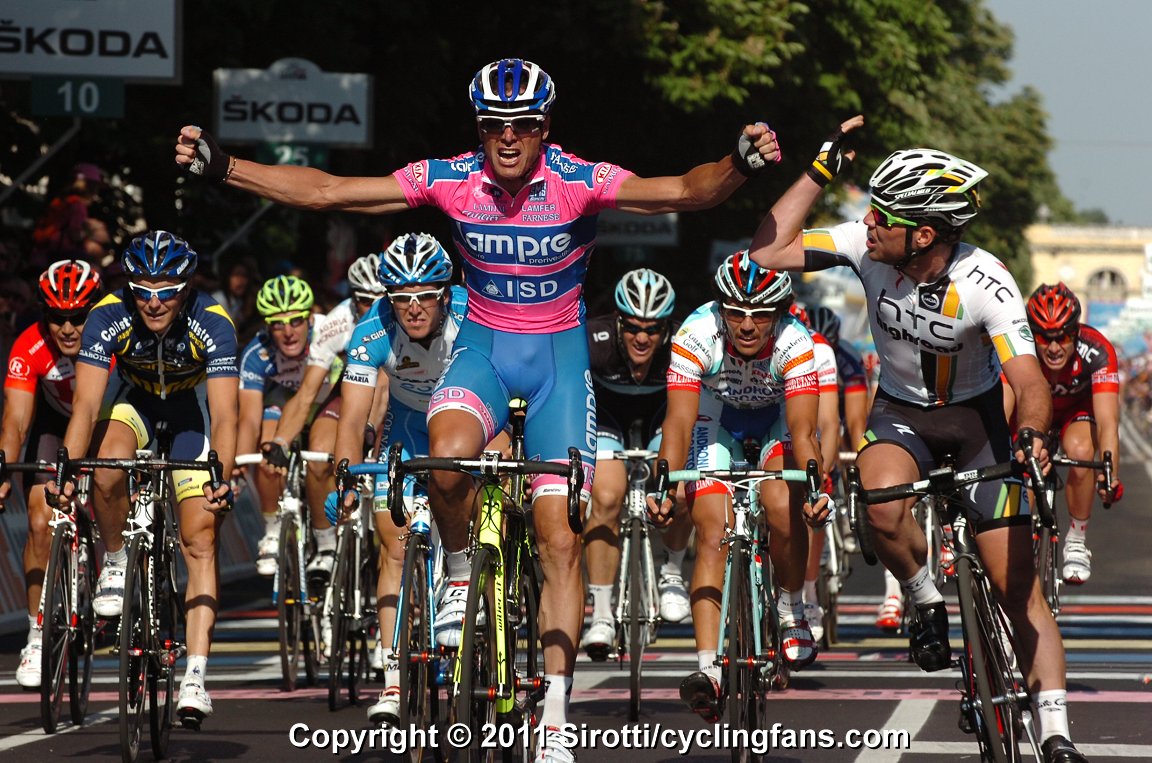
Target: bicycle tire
point(360, 630)
point(742, 668)
point(1048, 566)
point(637, 614)
point(135, 625)
point(289, 603)
point(338, 637)
point(56, 634)
point(478, 662)
point(526, 654)
point(84, 637)
point(414, 646)
point(162, 675)
point(981, 681)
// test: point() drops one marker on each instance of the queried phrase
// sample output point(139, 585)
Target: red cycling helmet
point(1053, 309)
point(69, 285)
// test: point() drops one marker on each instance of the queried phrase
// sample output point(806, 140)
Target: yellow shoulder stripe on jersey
point(112, 298)
point(221, 311)
point(819, 238)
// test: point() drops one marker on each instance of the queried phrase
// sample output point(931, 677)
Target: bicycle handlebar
point(310, 456)
point(1104, 465)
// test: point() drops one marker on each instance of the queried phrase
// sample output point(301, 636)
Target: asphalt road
point(861, 689)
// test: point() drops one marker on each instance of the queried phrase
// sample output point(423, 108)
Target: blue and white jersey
point(263, 367)
point(378, 341)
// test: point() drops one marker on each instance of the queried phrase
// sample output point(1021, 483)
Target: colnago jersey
point(36, 365)
point(264, 368)
point(525, 257)
point(331, 340)
point(703, 358)
point(1092, 369)
point(379, 341)
point(200, 344)
point(938, 342)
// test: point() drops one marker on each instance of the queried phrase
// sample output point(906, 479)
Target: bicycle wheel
point(414, 648)
point(56, 634)
point(289, 603)
point(742, 662)
point(637, 616)
point(479, 658)
point(528, 658)
point(339, 596)
point(989, 708)
point(84, 635)
point(360, 628)
point(135, 625)
point(162, 674)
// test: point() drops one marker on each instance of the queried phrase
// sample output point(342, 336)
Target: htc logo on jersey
point(909, 325)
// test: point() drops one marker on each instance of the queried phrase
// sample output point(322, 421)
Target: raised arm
point(779, 240)
point(705, 185)
point(301, 187)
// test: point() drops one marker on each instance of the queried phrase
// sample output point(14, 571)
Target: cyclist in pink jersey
point(524, 215)
point(37, 404)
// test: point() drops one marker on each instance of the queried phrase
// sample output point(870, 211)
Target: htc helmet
point(645, 294)
point(926, 186)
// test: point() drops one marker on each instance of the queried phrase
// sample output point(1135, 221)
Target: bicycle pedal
point(190, 718)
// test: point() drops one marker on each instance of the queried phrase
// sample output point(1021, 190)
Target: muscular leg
point(1079, 443)
point(39, 545)
point(319, 479)
point(900, 543)
point(708, 514)
point(453, 434)
point(112, 439)
point(562, 595)
point(602, 530)
point(199, 529)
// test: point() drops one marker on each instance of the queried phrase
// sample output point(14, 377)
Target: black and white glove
point(211, 162)
point(830, 161)
point(747, 158)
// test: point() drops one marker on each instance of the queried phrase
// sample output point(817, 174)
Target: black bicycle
point(995, 703)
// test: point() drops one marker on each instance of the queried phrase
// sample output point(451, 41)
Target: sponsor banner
point(616, 228)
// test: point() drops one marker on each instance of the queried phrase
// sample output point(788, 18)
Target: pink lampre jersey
point(525, 257)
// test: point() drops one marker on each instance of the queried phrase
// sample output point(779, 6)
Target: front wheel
point(340, 599)
point(56, 637)
point(1048, 565)
point(478, 655)
point(162, 675)
point(84, 637)
point(289, 602)
point(638, 609)
point(135, 627)
point(414, 648)
point(742, 661)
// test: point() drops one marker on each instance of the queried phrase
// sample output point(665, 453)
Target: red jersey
point(36, 363)
point(1092, 369)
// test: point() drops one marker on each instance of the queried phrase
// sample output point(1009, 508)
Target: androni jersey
point(199, 345)
point(525, 257)
point(379, 341)
point(938, 342)
point(702, 357)
point(264, 368)
point(1092, 369)
point(330, 339)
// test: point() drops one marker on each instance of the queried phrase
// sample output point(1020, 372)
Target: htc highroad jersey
point(938, 342)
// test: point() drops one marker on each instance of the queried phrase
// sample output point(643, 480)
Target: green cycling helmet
point(284, 294)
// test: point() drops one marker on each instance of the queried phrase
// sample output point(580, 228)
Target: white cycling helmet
point(414, 259)
point(742, 281)
point(512, 87)
point(363, 277)
point(645, 294)
point(925, 185)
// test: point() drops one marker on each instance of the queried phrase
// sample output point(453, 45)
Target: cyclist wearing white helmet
point(325, 362)
point(742, 370)
point(514, 188)
point(947, 318)
point(397, 353)
point(629, 350)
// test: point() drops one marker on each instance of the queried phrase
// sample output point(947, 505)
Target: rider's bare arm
point(251, 419)
point(295, 413)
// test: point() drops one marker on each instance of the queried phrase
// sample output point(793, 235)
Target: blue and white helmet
point(159, 254)
point(414, 259)
point(512, 87)
point(645, 294)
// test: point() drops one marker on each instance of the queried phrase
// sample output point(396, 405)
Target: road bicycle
point(414, 635)
point(349, 606)
point(148, 648)
point(297, 608)
point(1046, 536)
point(497, 678)
point(637, 593)
point(995, 703)
point(835, 562)
point(749, 654)
point(67, 623)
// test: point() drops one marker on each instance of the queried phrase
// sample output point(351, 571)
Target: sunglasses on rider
point(628, 327)
point(278, 324)
point(757, 314)
point(145, 294)
point(886, 220)
point(406, 298)
point(75, 317)
point(521, 126)
point(1062, 335)
point(364, 300)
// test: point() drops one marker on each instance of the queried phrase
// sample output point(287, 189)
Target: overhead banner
point(133, 40)
point(293, 101)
